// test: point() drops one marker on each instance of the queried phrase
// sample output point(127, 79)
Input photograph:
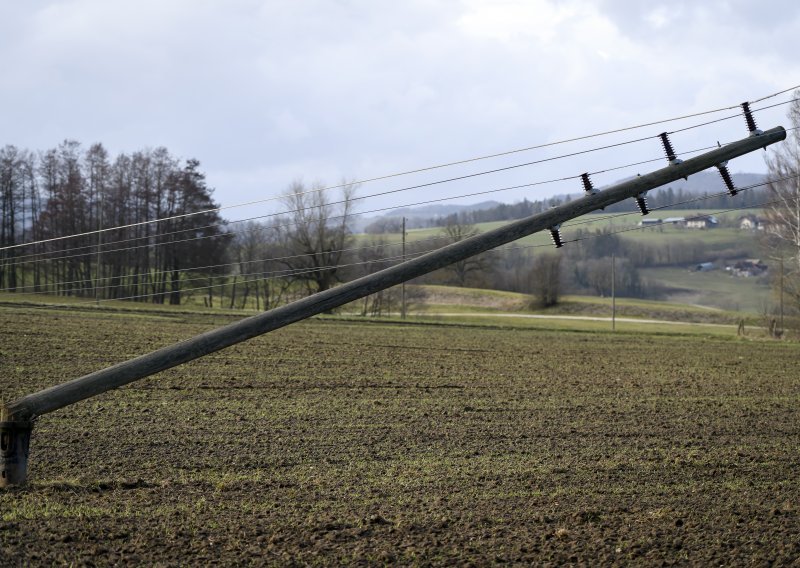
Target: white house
point(702, 222)
point(749, 222)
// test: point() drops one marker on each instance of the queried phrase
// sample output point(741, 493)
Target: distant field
point(335, 442)
point(615, 221)
point(463, 301)
point(712, 289)
point(720, 242)
point(716, 288)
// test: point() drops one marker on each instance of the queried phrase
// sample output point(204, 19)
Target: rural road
point(581, 318)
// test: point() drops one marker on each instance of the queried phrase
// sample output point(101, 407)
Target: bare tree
point(783, 213)
point(316, 233)
point(11, 212)
point(456, 230)
point(545, 279)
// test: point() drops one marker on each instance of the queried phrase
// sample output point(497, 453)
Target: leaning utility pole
point(17, 416)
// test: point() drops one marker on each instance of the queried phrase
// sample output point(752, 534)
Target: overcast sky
point(264, 92)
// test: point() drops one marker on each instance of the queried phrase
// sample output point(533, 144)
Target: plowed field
point(334, 442)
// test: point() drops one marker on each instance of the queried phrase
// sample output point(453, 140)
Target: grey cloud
point(265, 91)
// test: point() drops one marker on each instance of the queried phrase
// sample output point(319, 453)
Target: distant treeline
point(660, 198)
point(71, 191)
point(657, 199)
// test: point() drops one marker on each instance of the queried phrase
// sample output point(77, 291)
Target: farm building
point(678, 221)
point(748, 268)
point(654, 222)
point(702, 222)
point(749, 222)
point(704, 267)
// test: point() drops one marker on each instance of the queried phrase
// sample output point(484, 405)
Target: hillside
point(697, 184)
point(679, 248)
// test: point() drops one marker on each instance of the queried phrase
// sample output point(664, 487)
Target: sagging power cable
point(302, 271)
point(417, 170)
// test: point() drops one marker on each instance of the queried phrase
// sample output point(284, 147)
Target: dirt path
point(582, 318)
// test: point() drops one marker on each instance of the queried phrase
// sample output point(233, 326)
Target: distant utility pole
point(781, 293)
point(613, 292)
point(99, 252)
point(403, 285)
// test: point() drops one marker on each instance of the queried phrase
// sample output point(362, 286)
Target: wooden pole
point(403, 285)
point(781, 292)
point(99, 251)
point(59, 396)
point(613, 292)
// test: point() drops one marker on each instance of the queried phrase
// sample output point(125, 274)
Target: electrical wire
point(775, 94)
point(157, 273)
point(379, 194)
point(408, 172)
point(296, 272)
point(415, 254)
point(417, 186)
point(30, 257)
point(24, 258)
point(153, 274)
point(83, 281)
point(724, 118)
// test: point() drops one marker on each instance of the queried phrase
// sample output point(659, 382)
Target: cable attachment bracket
point(641, 202)
point(555, 234)
point(726, 177)
point(751, 122)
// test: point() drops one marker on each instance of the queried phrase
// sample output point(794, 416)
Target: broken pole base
point(15, 438)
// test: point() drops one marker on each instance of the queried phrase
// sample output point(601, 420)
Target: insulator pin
point(587, 184)
point(726, 177)
point(555, 234)
point(641, 201)
point(669, 150)
point(751, 122)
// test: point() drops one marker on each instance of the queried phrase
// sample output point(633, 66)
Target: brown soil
point(333, 443)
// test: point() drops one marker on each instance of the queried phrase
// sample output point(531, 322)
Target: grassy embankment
point(449, 304)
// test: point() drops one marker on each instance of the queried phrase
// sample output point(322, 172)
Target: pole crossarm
point(59, 396)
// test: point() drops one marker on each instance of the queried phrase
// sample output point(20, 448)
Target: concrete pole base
point(15, 438)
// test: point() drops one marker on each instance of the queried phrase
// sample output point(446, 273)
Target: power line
point(775, 94)
point(151, 274)
point(20, 260)
point(724, 118)
point(423, 169)
point(156, 273)
point(417, 186)
point(302, 271)
point(25, 258)
point(379, 194)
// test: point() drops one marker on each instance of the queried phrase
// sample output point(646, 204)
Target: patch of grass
point(714, 288)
